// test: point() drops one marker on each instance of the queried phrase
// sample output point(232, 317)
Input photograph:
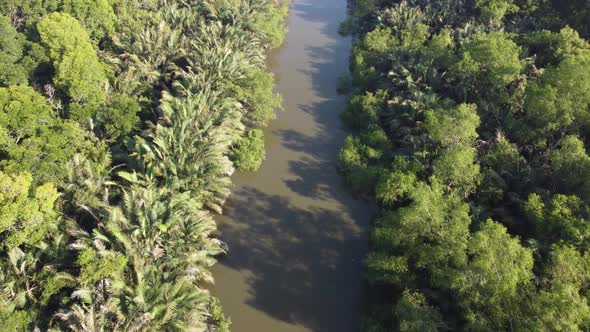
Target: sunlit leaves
point(520, 131)
point(29, 129)
point(25, 218)
point(249, 153)
point(498, 268)
point(559, 102)
point(489, 62)
point(453, 127)
point(78, 69)
point(495, 10)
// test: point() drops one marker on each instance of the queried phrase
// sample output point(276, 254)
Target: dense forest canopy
point(472, 124)
point(120, 124)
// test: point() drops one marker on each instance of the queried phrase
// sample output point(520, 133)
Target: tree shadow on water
point(304, 261)
point(316, 170)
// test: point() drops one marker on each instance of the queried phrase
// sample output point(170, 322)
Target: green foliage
point(457, 168)
point(120, 116)
point(379, 41)
point(571, 165)
point(432, 231)
point(362, 111)
point(52, 284)
point(78, 70)
point(394, 186)
point(439, 171)
point(570, 44)
point(551, 48)
point(222, 324)
point(559, 102)
point(17, 321)
point(355, 160)
point(350, 156)
point(25, 214)
point(438, 50)
point(503, 157)
point(495, 10)
point(33, 139)
point(567, 266)
point(560, 306)
point(96, 266)
point(191, 155)
point(562, 218)
point(498, 268)
point(270, 22)
point(18, 57)
point(455, 127)
point(249, 152)
point(455, 132)
point(503, 169)
point(386, 268)
point(97, 16)
point(415, 314)
point(407, 23)
point(375, 137)
point(24, 111)
point(488, 64)
point(20, 12)
point(256, 91)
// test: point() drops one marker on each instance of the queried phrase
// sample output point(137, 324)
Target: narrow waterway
point(297, 237)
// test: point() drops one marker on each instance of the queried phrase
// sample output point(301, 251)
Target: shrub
point(249, 153)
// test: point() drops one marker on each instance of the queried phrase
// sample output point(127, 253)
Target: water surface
point(297, 237)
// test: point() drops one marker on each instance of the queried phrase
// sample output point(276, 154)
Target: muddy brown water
point(297, 237)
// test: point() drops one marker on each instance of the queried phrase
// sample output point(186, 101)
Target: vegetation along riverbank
point(120, 124)
point(472, 122)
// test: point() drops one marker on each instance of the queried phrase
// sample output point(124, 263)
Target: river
point(297, 237)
